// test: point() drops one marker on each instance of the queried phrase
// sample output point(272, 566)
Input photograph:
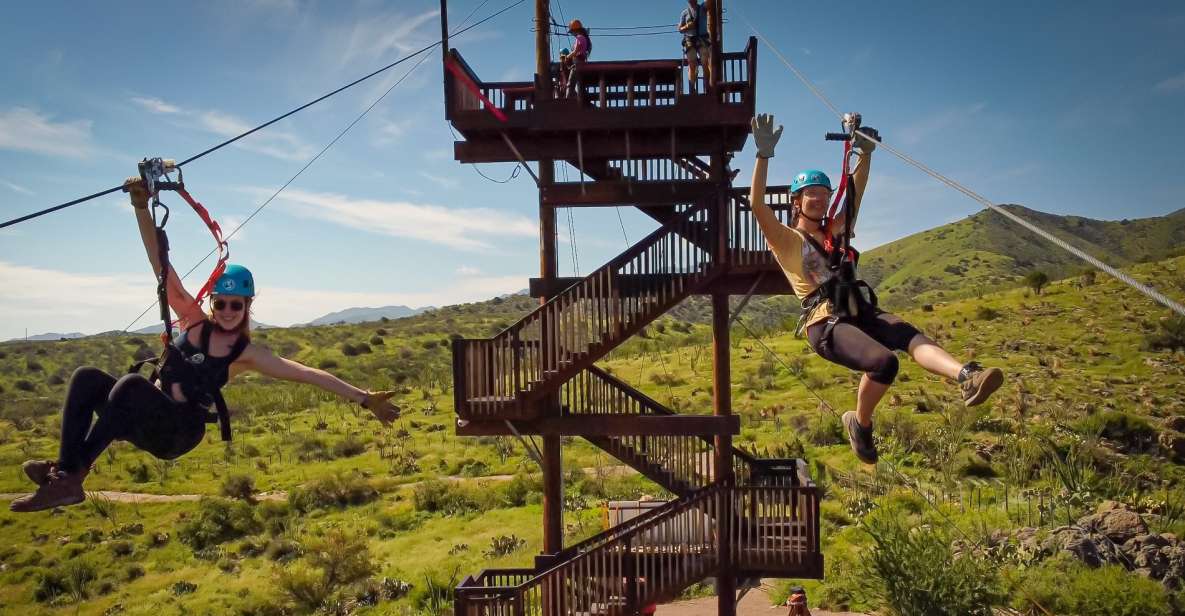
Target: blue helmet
point(235, 280)
point(810, 177)
point(565, 52)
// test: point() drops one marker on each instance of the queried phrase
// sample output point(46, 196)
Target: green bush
point(336, 491)
point(986, 313)
point(332, 564)
point(1132, 431)
point(349, 447)
point(1062, 585)
point(914, 571)
point(436, 496)
point(1170, 336)
point(217, 521)
point(239, 486)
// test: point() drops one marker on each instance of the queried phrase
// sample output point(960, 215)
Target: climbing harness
point(846, 296)
point(191, 368)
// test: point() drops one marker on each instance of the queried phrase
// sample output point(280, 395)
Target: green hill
point(1092, 412)
point(986, 252)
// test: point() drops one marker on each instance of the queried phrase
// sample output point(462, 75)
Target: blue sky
point(1062, 107)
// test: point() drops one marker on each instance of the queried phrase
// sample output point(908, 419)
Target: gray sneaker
point(860, 438)
point(978, 383)
point(61, 490)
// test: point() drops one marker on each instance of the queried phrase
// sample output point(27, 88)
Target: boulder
point(1115, 523)
point(1172, 446)
point(1176, 422)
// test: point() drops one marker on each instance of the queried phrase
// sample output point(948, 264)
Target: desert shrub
point(216, 521)
point(349, 447)
point(24, 385)
point(913, 570)
point(504, 545)
point(376, 340)
point(1062, 585)
point(327, 364)
point(1170, 336)
point(1133, 431)
point(518, 490)
point(336, 491)
point(183, 587)
point(121, 547)
point(986, 313)
point(311, 448)
point(133, 572)
point(1036, 280)
point(239, 486)
point(332, 564)
point(826, 430)
point(436, 496)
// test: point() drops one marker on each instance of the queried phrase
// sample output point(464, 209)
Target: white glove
point(764, 135)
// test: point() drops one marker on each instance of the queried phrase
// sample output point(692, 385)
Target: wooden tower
point(635, 136)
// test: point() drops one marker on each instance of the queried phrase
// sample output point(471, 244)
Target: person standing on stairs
point(697, 47)
point(854, 333)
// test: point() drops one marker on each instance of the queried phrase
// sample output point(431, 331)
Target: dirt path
point(137, 497)
point(755, 603)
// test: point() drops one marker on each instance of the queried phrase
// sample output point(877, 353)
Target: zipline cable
point(1123, 277)
point(327, 146)
point(264, 125)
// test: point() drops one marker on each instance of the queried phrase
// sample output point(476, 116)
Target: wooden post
point(543, 87)
point(722, 460)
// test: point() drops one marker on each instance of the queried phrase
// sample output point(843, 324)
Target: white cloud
point(53, 300)
point(377, 36)
point(466, 270)
point(29, 130)
point(1175, 83)
point(285, 306)
point(45, 300)
point(230, 223)
point(441, 181)
point(913, 134)
point(15, 187)
point(155, 105)
point(461, 228)
point(269, 142)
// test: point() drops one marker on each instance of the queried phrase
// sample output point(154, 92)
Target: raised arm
point(180, 300)
point(864, 148)
point(262, 360)
point(766, 139)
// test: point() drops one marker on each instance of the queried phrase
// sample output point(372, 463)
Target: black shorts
point(865, 344)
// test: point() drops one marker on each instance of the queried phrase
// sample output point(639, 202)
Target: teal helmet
point(810, 177)
point(565, 52)
point(235, 280)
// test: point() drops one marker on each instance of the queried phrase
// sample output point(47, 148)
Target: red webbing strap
point(843, 182)
point(465, 80)
point(216, 231)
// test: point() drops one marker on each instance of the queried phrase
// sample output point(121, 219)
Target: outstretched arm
point(180, 300)
point(262, 360)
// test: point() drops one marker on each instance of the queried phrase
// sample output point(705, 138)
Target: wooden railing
point(495, 378)
point(681, 464)
point(655, 556)
point(739, 81)
point(507, 96)
point(746, 242)
point(619, 570)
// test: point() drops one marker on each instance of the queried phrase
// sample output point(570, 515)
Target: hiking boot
point(860, 438)
point(977, 383)
point(38, 471)
point(61, 490)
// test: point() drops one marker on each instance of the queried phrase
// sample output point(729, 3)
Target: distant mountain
point(51, 336)
point(363, 315)
point(157, 328)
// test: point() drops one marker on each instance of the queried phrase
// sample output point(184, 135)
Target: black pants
point(131, 409)
point(865, 344)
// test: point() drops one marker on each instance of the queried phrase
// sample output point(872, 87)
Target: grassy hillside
point(987, 252)
point(1094, 387)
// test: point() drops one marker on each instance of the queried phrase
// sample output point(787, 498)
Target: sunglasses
point(221, 304)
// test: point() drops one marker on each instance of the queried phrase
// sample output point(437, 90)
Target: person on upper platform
point(697, 44)
point(580, 53)
point(851, 331)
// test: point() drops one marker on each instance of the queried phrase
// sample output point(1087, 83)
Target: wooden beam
point(734, 283)
point(566, 116)
point(611, 425)
point(626, 193)
point(482, 147)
